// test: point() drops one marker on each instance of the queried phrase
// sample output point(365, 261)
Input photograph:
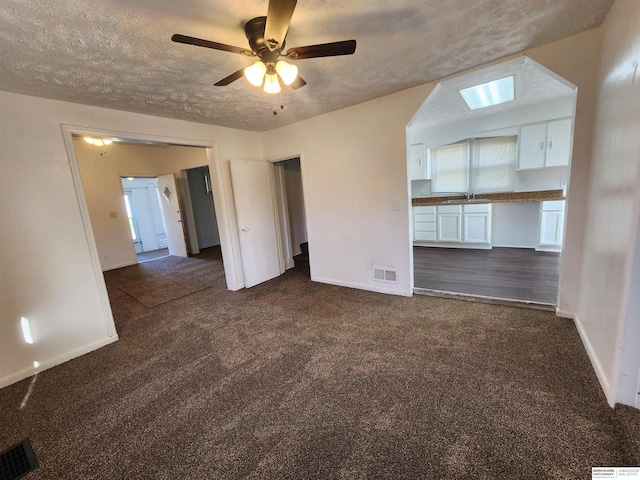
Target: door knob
point(245, 229)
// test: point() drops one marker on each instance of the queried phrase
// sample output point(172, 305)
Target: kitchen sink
point(466, 200)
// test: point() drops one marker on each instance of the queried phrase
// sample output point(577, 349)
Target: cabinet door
point(533, 139)
point(551, 228)
point(417, 162)
point(450, 227)
point(558, 143)
point(476, 228)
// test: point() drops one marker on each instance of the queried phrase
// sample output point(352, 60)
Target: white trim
point(595, 363)
point(467, 246)
point(52, 362)
point(110, 325)
point(362, 286)
point(120, 265)
point(542, 248)
point(225, 216)
point(528, 247)
point(564, 314)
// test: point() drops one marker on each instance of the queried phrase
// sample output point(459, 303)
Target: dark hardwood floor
point(511, 273)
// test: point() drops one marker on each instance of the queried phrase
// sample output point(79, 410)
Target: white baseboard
point(529, 247)
point(564, 313)
point(595, 363)
point(362, 286)
point(120, 265)
point(52, 362)
point(542, 248)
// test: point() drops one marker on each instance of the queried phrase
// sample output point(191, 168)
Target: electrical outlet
point(368, 265)
point(395, 205)
point(105, 258)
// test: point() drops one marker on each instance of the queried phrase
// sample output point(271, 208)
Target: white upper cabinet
point(558, 143)
point(533, 140)
point(545, 144)
point(418, 165)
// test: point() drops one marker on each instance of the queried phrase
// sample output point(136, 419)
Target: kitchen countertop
point(503, 197)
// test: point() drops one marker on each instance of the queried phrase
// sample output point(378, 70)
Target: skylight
point(490, 93)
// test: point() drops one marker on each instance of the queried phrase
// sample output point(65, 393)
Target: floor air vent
point(385, 274)
point(17, 461)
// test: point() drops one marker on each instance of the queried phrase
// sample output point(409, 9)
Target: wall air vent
point(385, 274)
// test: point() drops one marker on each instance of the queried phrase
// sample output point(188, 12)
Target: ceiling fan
point(266, 37)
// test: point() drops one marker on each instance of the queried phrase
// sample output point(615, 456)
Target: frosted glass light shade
point(271, 84)
point(98, 142)
point(288, 73)
point(255, 73)
point(490, 93)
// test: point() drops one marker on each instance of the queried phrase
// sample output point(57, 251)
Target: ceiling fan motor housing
point(254, 30)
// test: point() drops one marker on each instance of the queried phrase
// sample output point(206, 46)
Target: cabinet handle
point(541, 145)
point(550, 144)
point(419, 161)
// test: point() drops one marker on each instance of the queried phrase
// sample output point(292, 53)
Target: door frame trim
point(230, 254)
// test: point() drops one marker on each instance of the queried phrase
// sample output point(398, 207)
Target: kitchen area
point(489, 184)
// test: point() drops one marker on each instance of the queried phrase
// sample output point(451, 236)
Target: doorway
point(291, 214)
point(146, 217)
point(489, 185)
point(202, 231)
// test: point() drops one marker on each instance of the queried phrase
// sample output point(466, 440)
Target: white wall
point(354, 168)
point(101, 169)
point(47, 268)
point(611, 232)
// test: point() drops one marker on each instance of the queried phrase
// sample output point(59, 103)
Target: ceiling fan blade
point(209, 44)
point(278, 19)
point(231, 78)
point(333, 49)
point(298, 82)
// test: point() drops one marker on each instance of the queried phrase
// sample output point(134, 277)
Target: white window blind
point(450, 168)
point(494, 164)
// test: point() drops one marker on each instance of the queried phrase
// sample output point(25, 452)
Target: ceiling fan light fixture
point(255, 73)
point(288, 73)
point(98, 142)
point(271, 83)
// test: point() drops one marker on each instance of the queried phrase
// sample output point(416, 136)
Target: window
point(475, 166)
point(494, 164)
point(450, 168)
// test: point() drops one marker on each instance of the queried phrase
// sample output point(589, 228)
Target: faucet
point(466, 195)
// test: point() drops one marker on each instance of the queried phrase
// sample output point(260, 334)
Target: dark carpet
point(295, 380)
point(152, 254)
point(167, 278)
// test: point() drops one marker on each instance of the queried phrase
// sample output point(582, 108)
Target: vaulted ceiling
point(118, 53)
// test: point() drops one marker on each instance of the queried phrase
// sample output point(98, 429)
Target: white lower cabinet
point(551, 225)
point(424, 224)
point(477, 223)
point(466, 226)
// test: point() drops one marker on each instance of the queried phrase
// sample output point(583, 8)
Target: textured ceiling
point(534, 85)
point(118, 53)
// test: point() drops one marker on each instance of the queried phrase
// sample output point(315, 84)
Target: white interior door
point(254, 199)
point(172, 215)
